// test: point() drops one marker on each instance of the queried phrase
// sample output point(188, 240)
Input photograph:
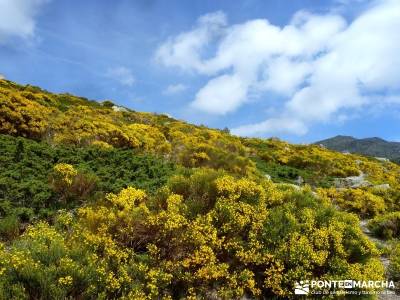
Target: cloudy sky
point(302, 70)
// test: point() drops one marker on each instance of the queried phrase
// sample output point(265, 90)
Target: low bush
point(386, 226)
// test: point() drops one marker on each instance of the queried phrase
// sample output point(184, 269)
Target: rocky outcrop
point(352, 182)
point(358, 182)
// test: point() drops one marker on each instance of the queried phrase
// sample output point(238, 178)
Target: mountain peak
point(373, 146)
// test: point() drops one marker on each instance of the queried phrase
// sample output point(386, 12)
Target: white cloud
point(320, 64)
point(184, 50)
point(121, 74)
point(17, 18)
point(277, 78)
point(175, 89)
point(273, 126)
point(221, 95)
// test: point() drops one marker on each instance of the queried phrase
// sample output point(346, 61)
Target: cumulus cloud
point(319, 64)
point(175, 89)
point(121, 74)
point(185, 49)
point(221, 95)
point(17, 18)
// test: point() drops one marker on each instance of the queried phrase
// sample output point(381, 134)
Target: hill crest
point(373, 146)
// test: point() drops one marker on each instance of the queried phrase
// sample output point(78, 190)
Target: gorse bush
point(311, 157)
point(360, 201)
point(251, 239)
point(386, 226)
point(71, 185)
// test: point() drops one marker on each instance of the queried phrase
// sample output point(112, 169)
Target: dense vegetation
point(101, 202)
point(27, 190)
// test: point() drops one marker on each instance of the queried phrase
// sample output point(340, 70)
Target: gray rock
point(299, 180)
point(352, 182)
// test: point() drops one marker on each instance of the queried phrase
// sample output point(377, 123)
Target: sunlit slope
point(102, 202)
point(69, 120)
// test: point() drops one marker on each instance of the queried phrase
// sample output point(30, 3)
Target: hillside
point(375, 147)
point(103, 202)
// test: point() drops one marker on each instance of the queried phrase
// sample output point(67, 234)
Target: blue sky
point(302, 70)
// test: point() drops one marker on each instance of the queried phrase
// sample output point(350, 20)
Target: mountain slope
point(376, 147)
point(103, 202)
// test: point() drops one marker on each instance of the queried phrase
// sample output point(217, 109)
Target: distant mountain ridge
point(373, 146)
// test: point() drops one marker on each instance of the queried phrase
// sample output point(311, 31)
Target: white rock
point(384, 159)
point(119, 108)
point(384, 186)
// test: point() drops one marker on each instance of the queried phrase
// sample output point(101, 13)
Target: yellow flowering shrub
point(101, 145)
point(252, 238)
point(202, 147)
point(21, 116)
point(64, 173)
point(82, 125)
point(147, 138)
point(359, 201)
point(70, 184)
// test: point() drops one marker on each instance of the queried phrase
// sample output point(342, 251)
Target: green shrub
point(386, 226)
point(26, 167)
point(9, 227)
